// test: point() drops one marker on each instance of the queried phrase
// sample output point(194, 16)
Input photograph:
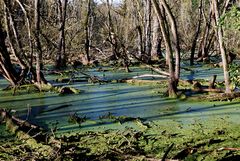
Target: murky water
point(119, 99)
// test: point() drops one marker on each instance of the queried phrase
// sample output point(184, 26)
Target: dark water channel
point(119, 99)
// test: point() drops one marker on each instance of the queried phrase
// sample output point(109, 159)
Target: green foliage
point(234, 70)
point(231, 20)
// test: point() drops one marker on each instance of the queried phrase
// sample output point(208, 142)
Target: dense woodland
point(51, 36)
point(70, 33)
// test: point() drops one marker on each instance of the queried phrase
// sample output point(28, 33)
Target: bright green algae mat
point(205, 126)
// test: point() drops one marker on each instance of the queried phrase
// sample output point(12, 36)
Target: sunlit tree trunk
point(221, 46)
point(87, 31)
point(176, 45)
point(172, 88)
point(37, 40)
point(156, 40)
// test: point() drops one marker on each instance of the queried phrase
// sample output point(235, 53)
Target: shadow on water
point(141, 106)
point(26, 99)
point(146, 109)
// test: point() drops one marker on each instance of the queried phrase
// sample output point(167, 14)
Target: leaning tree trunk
point(14, 42)
point(172, 88)
point(175, 39)
point(6, 66)
point(222, 47)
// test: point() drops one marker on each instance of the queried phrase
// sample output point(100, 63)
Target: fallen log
point(217, 97)
point(157, 70)
point(206, 89)
point(230, 149)
point(140, 82)
point(150, 75)
point(22, 128)
point(94, 79)
point(37, 138)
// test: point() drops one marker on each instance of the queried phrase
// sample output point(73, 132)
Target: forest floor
point(211, 140)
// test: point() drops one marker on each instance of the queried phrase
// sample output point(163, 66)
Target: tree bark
point(147, 27)
point(175, 39)
point(222, 47)
point(61, 53)
point(37, 40)
point(87, 41)
point(203, 52)
point(140, 41)
point(6, 66)
point(172, 88)
point(28, 31)
point(194, 43)
point(156, 40)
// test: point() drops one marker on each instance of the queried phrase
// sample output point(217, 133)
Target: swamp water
point(51, 110)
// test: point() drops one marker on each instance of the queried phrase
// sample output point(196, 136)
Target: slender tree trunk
point(156, 40)
point(6, 66)
point(87, 41)
point(140, 41)
point(61, 54)
point(194, 43)
point(148, 44)
point(222, 47)
point(28, 31)
point(172, 88)
point(17, 46)
point(175, 39)
point(203, 52)
point(37, 40)
point(111, 32)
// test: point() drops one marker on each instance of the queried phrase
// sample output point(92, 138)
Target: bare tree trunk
point(111, 33)
point(87, 41)
point(9, 22)
point(175, 39)
point(140, 41)
point(172, 88)
point(37, 40)
point(28, 31)
point(147, 17)
point(17, 47)
point(156, 40)
point(61, 53)
point(6, 66)
point(194, 43)
point(222, 47)
point(203, 52)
